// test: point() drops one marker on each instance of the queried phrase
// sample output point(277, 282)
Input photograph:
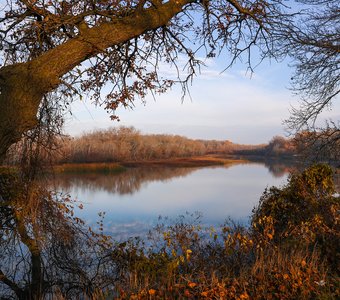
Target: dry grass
point(237, 267)
point(194, 161)
point(288, 252)
point(89, 167)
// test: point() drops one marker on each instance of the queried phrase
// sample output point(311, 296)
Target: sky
point(233, 105)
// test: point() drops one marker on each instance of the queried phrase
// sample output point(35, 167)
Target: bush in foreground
point(289, 251)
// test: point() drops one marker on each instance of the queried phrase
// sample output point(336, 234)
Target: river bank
point(195, 161)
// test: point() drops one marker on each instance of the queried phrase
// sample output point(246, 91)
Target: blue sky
point(234, 105)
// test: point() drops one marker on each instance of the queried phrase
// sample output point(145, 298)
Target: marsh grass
point(90, 168)
point(230, 264)
point(188, 265)
point(289, 251)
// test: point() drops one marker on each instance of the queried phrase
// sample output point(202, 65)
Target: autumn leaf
point(204, 294)
point(152, 292)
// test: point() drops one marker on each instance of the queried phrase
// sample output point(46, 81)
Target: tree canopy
point(72, 48)
point(54, 52)
point(313, 41)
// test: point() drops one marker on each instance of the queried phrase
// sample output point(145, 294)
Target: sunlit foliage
point(289, 251)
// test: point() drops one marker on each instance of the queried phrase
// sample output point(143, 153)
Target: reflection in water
point(134, 200)
point(279, 169)
point(133, 179)
point(45, 250)
point(127, 182)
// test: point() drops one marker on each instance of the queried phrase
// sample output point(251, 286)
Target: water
point(39, 233)
point(134, 200)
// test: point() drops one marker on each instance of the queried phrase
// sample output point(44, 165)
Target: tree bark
point(23, 85)
point(21, 90)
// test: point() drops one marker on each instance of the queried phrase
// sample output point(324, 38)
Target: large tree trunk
point(22, 86)
point(21, 91)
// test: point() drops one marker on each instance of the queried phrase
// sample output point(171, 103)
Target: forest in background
point(122, 144)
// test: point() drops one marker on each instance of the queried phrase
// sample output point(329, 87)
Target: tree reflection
point(132, 180)
point(45, 250)
point(279, 169)
point(127, 182)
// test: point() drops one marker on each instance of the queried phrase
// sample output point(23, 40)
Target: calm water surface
point(134, 200)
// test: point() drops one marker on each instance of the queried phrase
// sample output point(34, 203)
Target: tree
point(313, 41)
point(70, 48)
point(279, 146)
point(304, 212)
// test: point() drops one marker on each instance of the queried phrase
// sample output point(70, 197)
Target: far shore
point(195, 161)
point(208, 160)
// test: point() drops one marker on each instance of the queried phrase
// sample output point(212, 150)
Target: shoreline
point(188, 162)
point(208, 160)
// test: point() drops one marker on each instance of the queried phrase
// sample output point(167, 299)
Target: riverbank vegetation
point(127, 144)
point(290, 249)
point(115, 149)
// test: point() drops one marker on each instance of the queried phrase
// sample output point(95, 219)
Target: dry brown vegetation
point(278, 147)
point(290, 250)
point(128, 145)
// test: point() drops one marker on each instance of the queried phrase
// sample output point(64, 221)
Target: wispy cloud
point(222, 106)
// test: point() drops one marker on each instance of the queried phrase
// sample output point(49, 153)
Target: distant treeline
point(278, 147)
point(129, 144)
